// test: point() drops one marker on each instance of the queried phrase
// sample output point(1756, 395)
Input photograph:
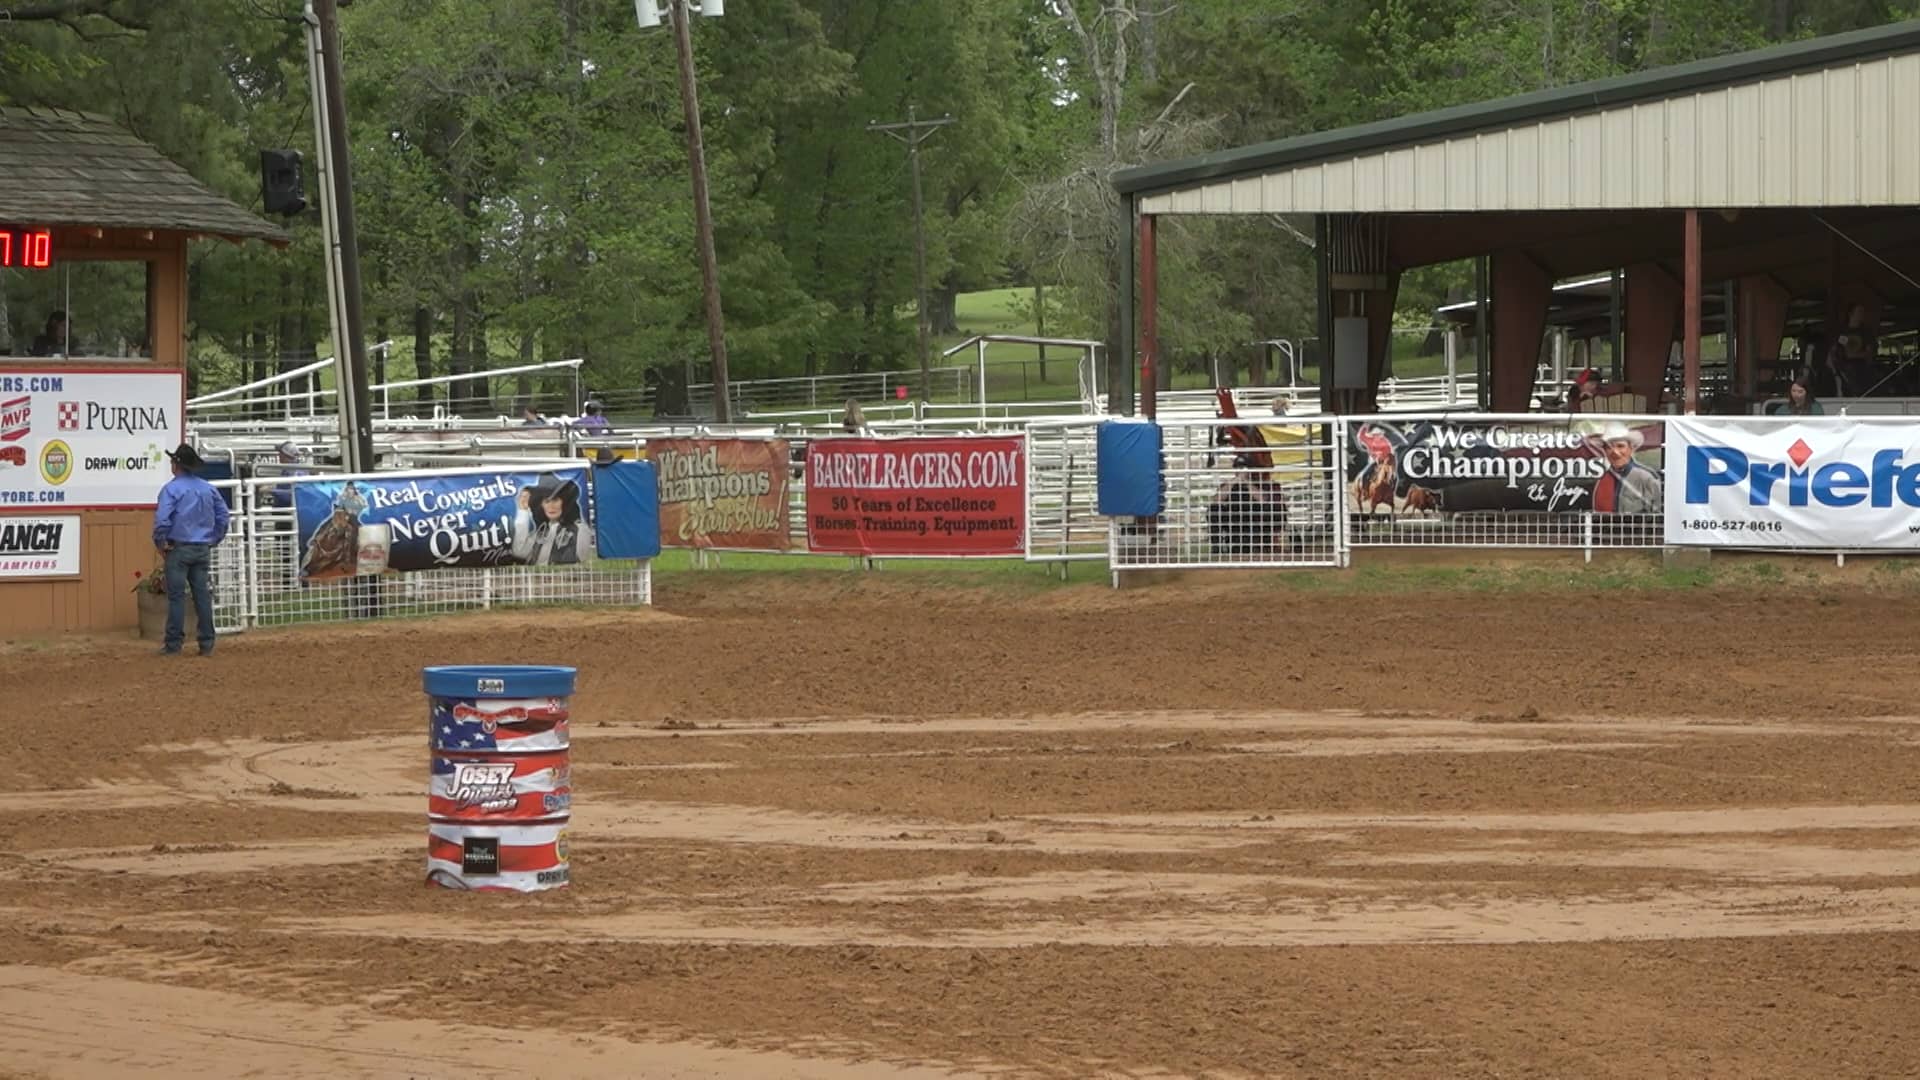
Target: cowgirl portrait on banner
point(370, 525)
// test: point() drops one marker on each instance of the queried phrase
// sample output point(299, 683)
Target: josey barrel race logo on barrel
point(483, 785)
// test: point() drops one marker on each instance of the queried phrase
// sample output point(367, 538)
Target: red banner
point(917, 496)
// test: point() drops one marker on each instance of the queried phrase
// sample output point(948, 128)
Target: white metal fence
point(1235, 506)
point(1286, 498)
point(257, 583)
point(1063, 522)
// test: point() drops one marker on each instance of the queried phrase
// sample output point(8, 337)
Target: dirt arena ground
point(849, 826)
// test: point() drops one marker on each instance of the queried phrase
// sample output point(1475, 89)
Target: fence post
point(250, 573)
point(1342, 524)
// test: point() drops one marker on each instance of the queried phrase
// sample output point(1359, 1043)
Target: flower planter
point(153, 617)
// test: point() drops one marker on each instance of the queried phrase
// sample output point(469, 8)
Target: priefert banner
point(1814, 483)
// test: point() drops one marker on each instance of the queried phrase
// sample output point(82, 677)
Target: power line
point(911, 132)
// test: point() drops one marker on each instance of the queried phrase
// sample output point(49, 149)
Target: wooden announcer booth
point(94, 228)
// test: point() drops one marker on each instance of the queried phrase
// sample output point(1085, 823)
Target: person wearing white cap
point(1627, 487)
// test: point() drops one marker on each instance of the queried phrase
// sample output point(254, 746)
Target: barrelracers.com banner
point(917, 496)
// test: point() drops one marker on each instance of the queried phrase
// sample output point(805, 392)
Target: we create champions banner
point(370, 525)
point(917, 496)
point(1815, 483)
point(1564, 466)
point(723, 493)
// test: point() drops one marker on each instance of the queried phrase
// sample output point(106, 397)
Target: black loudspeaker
point(281, 186)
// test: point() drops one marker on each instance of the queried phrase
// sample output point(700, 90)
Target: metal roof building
point(1791, 172)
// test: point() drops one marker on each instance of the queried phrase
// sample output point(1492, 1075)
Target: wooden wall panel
point(114, 544)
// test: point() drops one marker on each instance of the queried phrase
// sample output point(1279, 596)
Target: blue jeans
point(187, 566)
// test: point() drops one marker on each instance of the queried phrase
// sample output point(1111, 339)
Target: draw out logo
point(56, 462)
point(1837, 484)
point(485, 786)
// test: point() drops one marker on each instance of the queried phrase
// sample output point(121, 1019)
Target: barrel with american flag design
point(500, 795)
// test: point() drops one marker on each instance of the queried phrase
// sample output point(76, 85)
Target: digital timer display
point(25, 249)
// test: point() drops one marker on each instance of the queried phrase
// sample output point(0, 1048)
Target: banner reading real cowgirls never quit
point(432, 522)
point(917, 496)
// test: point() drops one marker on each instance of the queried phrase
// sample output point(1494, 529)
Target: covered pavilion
point(1785, 180)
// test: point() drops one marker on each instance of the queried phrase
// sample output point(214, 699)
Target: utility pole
point(912, 133)
point(322, 19)
point(702, 211)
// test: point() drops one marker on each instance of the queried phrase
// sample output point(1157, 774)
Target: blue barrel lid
point(498, 681)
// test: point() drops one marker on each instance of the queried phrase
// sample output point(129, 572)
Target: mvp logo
point(1793, 483)
point(16, 419)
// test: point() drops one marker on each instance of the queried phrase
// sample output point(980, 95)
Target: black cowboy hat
point(550, 486)
point(186, 457)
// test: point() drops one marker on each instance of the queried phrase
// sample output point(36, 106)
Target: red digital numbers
point(26, 249)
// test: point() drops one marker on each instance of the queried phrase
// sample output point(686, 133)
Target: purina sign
point(1816, 483)
point(87, 440)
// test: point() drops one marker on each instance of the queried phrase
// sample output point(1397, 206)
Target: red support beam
point(1652, 316)
point(1521, 292)
point(1149, 319)
point(1690, 315)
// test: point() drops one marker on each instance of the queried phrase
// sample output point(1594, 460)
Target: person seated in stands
point(289, 455)
point(1800, 399)
point(530, 417)
point(592, 421)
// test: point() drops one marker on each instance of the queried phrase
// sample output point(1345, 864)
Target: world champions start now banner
point(917, 496)
point(727, 494)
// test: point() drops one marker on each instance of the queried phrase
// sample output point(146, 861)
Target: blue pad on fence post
point(626, 504)
point(1131, 478)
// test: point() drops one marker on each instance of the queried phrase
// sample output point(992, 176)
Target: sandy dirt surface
point(859, 827)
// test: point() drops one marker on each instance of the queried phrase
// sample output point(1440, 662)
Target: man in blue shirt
point(189, 521)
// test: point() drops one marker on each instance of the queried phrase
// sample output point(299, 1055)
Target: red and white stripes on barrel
point(501, 792)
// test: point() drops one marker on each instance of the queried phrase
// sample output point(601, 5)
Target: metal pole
point(925, 322)
point(1615, 303)
point(1149, 318)
point(1323, 311)
point(1120, 369)
point(1690, 317)
point(355, 402)
point(336, 321)
point(1481, 344)
point(702, 212)
point(918, 131)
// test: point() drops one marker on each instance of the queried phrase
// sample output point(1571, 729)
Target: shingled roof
point(77, 169)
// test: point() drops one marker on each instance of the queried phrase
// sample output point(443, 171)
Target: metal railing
point(1228, 507)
